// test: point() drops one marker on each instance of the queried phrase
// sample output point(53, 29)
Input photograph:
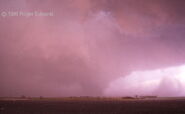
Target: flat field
point(90, 105)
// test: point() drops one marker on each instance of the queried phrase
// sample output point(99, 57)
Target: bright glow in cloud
point(160, 82)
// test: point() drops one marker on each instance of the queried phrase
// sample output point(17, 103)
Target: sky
point(57, 48)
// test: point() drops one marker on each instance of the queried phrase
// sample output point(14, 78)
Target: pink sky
point(89, 46)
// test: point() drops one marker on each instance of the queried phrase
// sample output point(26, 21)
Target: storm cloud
point(87, 44)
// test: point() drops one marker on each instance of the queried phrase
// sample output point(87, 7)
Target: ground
point(89, 105)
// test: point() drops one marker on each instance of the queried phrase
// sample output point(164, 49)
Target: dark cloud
point(86, 44)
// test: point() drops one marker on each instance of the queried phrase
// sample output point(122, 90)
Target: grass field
point(92, 105)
